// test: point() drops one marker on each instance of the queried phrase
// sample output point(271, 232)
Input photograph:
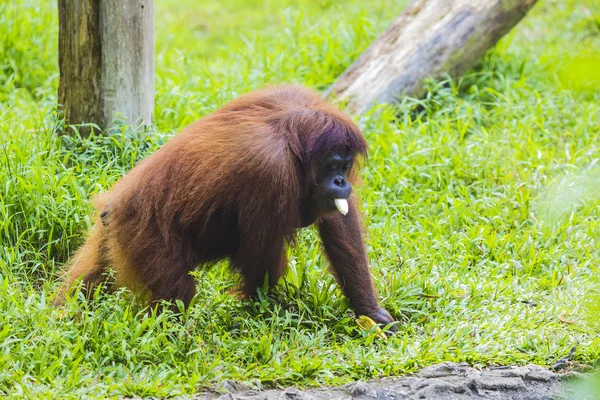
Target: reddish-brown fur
point(231, 185)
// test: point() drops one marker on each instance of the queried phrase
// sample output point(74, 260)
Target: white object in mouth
point(341, 205)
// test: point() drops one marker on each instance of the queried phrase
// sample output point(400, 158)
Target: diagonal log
point(429, 39)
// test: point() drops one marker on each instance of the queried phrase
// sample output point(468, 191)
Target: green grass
point(481, 203)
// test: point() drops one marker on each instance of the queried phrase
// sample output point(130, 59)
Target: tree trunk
point(429, 39)
point(106, 61)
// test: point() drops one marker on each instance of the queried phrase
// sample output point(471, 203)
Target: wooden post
point(429, 39)
point(79, 60)
point(106, 61)
point(127, 84)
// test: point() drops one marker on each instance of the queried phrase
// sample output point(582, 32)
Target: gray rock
point(233, 386)
point(511, 372)
point(227, 396)
point(446, 381)
point(359, 388)
point(444, 369)
point(498, 383)
point(537, 373)
point(441, 389)
point(529, 372)
point(294, 394)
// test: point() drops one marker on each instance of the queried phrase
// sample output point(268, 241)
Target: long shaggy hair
point(229, 185)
